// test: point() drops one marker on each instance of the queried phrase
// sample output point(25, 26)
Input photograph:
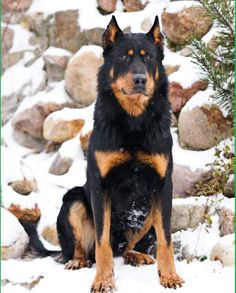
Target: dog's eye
point(123, 57)
point(147, 57)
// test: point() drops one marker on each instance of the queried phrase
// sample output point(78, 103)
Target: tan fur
point(133, 104)
point(83, 230)
point(156, 74)
point(108, 160)
point(111, 73)
point(165, 255)
point(131, 52)
point(142, 52)
point(157, 35)
point(157, 161)
point(104, 258)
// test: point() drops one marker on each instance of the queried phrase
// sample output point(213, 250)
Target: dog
point(128, 194)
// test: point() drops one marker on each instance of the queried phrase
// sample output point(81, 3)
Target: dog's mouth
point(133, 93)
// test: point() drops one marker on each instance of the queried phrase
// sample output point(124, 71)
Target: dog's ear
point(111, 33)
point(155, 32)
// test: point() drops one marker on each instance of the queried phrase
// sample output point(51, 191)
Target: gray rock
point(60, 165)
point(226, 221)
point(184, 180)
point(203, 127)
point(24, 187)
point(229, 189)
point(186, 216)
point(224, 251)
point(81, 78)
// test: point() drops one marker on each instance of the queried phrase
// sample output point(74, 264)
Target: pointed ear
point(155, 32)
point(111, 33)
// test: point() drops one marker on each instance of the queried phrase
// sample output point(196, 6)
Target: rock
point(186, 52)
point(31, 120)
point(171, 69)
point(7, 39)
point(52, 147)
point(184, 180)
point(107, 5)
point(133, 5)
point(16, 5)
point(226, 221)
point(56, 61)
point(14, 239)
point(202, 128)
point(223, 251)
point(186, 216)
point(24, 187)
point(66, 29)
point(60, 165)
point(58, 130)
point(9, 60)
point(146, 24)
point(229, 189)
point(188, 22)
point(178, 96)
point(25, 214)
point(28, 285)
point(26, 140)
point(49, 233)
point(84, 139)
point(91, 37)
point(81, 78)
point(42, 27)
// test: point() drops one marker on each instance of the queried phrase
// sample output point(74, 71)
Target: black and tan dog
point(129, 188)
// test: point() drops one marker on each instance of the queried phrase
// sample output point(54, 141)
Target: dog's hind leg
point(75, 230)
point(133, 257)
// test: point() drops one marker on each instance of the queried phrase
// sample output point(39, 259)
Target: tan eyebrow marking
point(142, 52)
point(131, 52)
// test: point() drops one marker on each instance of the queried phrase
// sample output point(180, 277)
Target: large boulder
point(62, 125)
point(184, 179)
point(186, 216)
point(14, 239)
point(201, 128)
point(66, 30)
point(188, 22)
point(224, 251)
point(81, 75)
point(31, 120)
point(178, 96)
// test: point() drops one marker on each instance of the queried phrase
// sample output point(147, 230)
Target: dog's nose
point(139, 79)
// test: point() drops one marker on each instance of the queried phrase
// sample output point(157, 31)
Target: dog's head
point(133, 62)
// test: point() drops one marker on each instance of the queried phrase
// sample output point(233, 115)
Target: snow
point(9, 223)
point(18, 76)
point(54, 51)
point(20, 162)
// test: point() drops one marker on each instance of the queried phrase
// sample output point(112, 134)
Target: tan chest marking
point(157, 161)
point(108, 160)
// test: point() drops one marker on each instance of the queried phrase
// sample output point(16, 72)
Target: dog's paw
point(171, 281)
point(103, 283)
point(76, 264)
point(135, 258)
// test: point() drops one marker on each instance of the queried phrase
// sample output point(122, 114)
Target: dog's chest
point(108, 160)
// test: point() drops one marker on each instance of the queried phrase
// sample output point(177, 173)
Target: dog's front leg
point(103, 281)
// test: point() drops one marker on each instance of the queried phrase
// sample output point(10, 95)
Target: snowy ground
point(199, 276)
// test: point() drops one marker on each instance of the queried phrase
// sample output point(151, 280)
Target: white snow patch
point(54, 51)
point(11, 229)
point(17, 76)
point(177, 6)
point(199, 99)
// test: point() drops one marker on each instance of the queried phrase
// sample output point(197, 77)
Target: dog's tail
point(36, 246)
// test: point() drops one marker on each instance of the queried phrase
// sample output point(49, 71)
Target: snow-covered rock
point(60, 165)
point(224, 250)
point(14, 238)
point(191, 21)
point(226, 221)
